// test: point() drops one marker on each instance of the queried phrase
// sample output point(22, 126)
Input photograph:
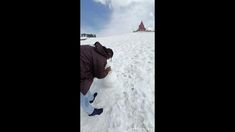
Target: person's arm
point(99, 69)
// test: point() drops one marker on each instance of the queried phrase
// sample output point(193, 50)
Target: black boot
point(96, 112)
point(95, 94)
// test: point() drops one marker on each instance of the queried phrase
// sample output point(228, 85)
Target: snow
point(127, 93)
point(83, 38)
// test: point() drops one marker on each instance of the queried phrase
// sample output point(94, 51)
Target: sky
point(113, 17)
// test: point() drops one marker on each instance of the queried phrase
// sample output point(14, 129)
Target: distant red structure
point(141, 27)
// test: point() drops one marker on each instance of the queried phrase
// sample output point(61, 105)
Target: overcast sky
point(111, 17)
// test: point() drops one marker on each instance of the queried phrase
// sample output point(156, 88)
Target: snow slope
point(127, 94)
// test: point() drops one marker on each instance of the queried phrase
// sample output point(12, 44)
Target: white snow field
point(127, 93)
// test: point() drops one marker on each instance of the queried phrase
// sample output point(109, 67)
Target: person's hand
point(108, 69)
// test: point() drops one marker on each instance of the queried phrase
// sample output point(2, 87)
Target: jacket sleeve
point(99, 68)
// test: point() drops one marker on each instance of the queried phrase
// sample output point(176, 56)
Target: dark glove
point(108, 69)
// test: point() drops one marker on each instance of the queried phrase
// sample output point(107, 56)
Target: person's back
point(92, 64)
point(86, 62)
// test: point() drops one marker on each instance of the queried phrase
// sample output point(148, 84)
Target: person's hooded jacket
point(92, 64)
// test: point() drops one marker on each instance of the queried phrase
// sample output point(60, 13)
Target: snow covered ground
point(127, 94)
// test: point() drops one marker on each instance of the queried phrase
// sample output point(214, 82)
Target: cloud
point(127, 14)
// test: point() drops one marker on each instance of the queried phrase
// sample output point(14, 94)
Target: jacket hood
point(101, 50)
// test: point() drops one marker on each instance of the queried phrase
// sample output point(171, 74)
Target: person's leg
point(89, 96)
point(85, 104)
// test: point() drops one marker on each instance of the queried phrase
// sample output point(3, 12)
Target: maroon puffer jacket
point(92, 64)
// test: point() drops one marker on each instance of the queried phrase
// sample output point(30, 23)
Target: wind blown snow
point(126, 14)
point(127, 93)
